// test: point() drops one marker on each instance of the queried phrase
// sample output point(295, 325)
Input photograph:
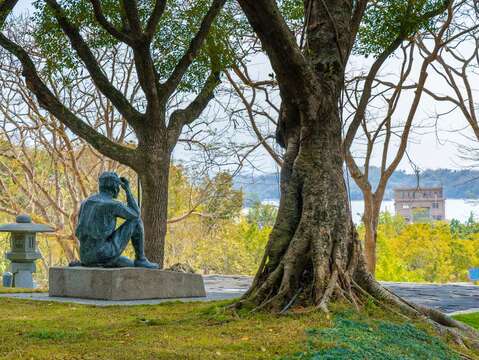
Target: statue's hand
point(125, 184)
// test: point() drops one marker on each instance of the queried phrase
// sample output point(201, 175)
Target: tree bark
point(154, 213)
point(313, 246)
point(154, 169)
point(313, 251)
point(370, 220)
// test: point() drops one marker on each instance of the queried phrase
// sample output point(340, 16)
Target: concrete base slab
point(123, 283)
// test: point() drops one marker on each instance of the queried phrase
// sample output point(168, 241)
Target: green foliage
point(293, 12)
point(384, 21)
point(4, 245)
point(212, 235)
point(425, 252)
point(217, 238)
point(226, 203)
point(264, 215)
point(16, 290)
point(179, 24)
point(387, 20)
point(377, 340)
point(230, 247)
point(54, 335)
point(471, 319)
point(467, 230)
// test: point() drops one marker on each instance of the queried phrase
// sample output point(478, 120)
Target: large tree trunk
point(154, 210)
point(154, 173)
point(313, 250)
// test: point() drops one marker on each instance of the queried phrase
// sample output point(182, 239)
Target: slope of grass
point(471, 319)
point(47, 330)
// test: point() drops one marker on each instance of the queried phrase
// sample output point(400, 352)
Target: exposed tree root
point(274, 295)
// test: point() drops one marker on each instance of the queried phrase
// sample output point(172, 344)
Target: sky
point(427, 148)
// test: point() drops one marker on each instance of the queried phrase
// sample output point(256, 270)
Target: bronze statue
point(101, 243)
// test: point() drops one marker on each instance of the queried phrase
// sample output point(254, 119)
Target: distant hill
point(458, 184)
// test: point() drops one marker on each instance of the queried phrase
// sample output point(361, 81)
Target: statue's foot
point(145, 263)
point(75, 263)
point(119, 262)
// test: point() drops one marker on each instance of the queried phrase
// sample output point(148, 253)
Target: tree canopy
point(177, 27)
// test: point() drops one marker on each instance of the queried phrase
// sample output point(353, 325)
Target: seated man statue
point(101, 243)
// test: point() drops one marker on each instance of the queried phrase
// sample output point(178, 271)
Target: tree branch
point(356, 19)
point(130, 8)
point(296, 78)
point(48, 101)
point(6, 7)
point(155, 17)
point(276, 157)
point(359, 115)
point(417, 97)
point(182, 117)
point(366, 94)
point(98, 76)
point(105, 24)
point(195, 45)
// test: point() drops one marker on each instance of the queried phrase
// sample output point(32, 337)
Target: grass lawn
point(471, 319)
point(12, 290)
point(44, 330)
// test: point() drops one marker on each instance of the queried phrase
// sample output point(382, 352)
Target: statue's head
point(109, 182)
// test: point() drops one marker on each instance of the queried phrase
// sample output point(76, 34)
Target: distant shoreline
point(457, 184)
point(458, 209)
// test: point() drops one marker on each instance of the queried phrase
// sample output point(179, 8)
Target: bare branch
point(95, 71)
point(53, 105)
point(182, 117)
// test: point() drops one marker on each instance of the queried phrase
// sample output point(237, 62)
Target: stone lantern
point(23, 249)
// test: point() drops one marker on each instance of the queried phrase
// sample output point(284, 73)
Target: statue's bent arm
point(131, 201)
point(125, 212)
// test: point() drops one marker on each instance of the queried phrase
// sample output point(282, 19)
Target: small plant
point(54, 335)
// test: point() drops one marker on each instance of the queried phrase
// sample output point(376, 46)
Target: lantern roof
point(23, 223)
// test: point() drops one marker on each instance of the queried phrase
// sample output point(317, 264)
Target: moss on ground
point(47, 330)
point(375, 340)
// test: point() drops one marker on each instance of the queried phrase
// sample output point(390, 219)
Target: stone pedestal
point(23, 274)
point(123, 283)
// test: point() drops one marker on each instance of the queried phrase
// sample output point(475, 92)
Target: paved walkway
point(450, 298)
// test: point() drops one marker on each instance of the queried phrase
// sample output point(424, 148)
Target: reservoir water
point(459, 209)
